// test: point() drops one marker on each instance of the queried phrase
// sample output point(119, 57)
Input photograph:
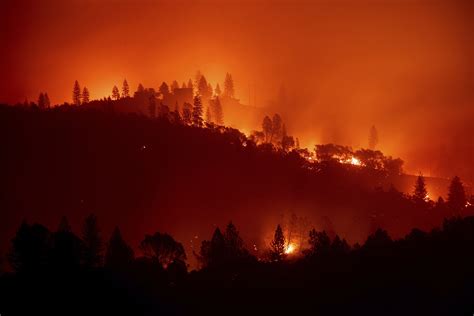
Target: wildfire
point(290, 249)
point(354, 161)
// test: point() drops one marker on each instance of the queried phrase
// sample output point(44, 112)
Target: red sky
point(405, 66)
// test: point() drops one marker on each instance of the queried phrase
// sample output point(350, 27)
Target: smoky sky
point(404, 66)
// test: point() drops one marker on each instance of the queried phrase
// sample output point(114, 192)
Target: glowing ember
point(355, 161)
point(290, 248)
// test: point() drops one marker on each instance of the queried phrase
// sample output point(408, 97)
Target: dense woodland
point(161, 184)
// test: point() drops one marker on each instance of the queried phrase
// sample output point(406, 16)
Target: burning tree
point(278, 246)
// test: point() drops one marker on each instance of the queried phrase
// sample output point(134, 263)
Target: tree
point(276, 128)
point(30, 248)
point(183, 86)
point(190, 85)
point(118, 255)
point(152, 106)
point(47, 102)
point(319, 242)
point(218, 90)
point(125, 89)
point(164, 89)
point(41, 103)
point(174, 85)
point(85, 95)
point(203, 88)
point(277, 246)
point(420, 194)
point(229, 86)
point(210, 91)
point(218, 113)
point(187, 113)
point(115, 93)
point(140, 89)
point(208, 115)
point(287, 142)
point(163, 249)
point(93, 246)
point(197, 111)
point(456, 195)
point(267, 127)
point(213, 252)
point(373, 138)
point(234, 243)
point(66, 250)
point(76, 94)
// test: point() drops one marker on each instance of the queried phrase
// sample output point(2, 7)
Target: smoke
point(404, 66)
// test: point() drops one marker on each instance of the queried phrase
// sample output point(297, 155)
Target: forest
point(175, 213)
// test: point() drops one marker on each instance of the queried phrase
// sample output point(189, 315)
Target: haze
point(404, 66)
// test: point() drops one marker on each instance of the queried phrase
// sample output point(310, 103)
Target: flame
point(290, 248)
point(354, 161)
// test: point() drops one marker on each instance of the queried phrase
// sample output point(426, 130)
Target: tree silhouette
point(373, 138)
point(47, 102)
point(287, 142)
point(218, 90)
point(85, 95)
point(118, 255)
point(190, 85)
point(41, 103)
point(125, 89)
point(187, 113)
point(115, 93)
point(456, 195)
point(218, 113)
point(234, 243)
point(140, 89)
point(197, 111)
point(164, 89)
point(277, 246)
point(66, 248)
point(208, 115)
point(213, 252)
point(93, 246)
point(152, 106)
point(76, 94)
point(183, 85)
point(420, 194)
point(163, 248)
point(229, 86)
point(267, 127)
point(203, 88)
point(174, 85)
point(30, 248)
point(276, 133)
point(319, 242)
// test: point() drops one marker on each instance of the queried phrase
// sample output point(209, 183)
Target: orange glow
point(290, 248)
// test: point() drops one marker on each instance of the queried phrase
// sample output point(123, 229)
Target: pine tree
point(218, 90)
point(164, 89)
point(183, 86)
point(140, 89)
point(47, 102)
point(218, 113)
point(41, 104)
point(208, 115)
point(276, 129)
point(190, 85)
point(229, 86)
point(92, 241)
point(420, 194)
point(457, 195)
point(373, 138)
point(125, 89)
point(76, 94)
point(277, 250)
point(267, 127)
point(174, 85)
point(118, 255)
point(115, 93)
point(187, 113)
point(234, 242)
point(197, 111)
point(85, 95)
point(203, 88)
